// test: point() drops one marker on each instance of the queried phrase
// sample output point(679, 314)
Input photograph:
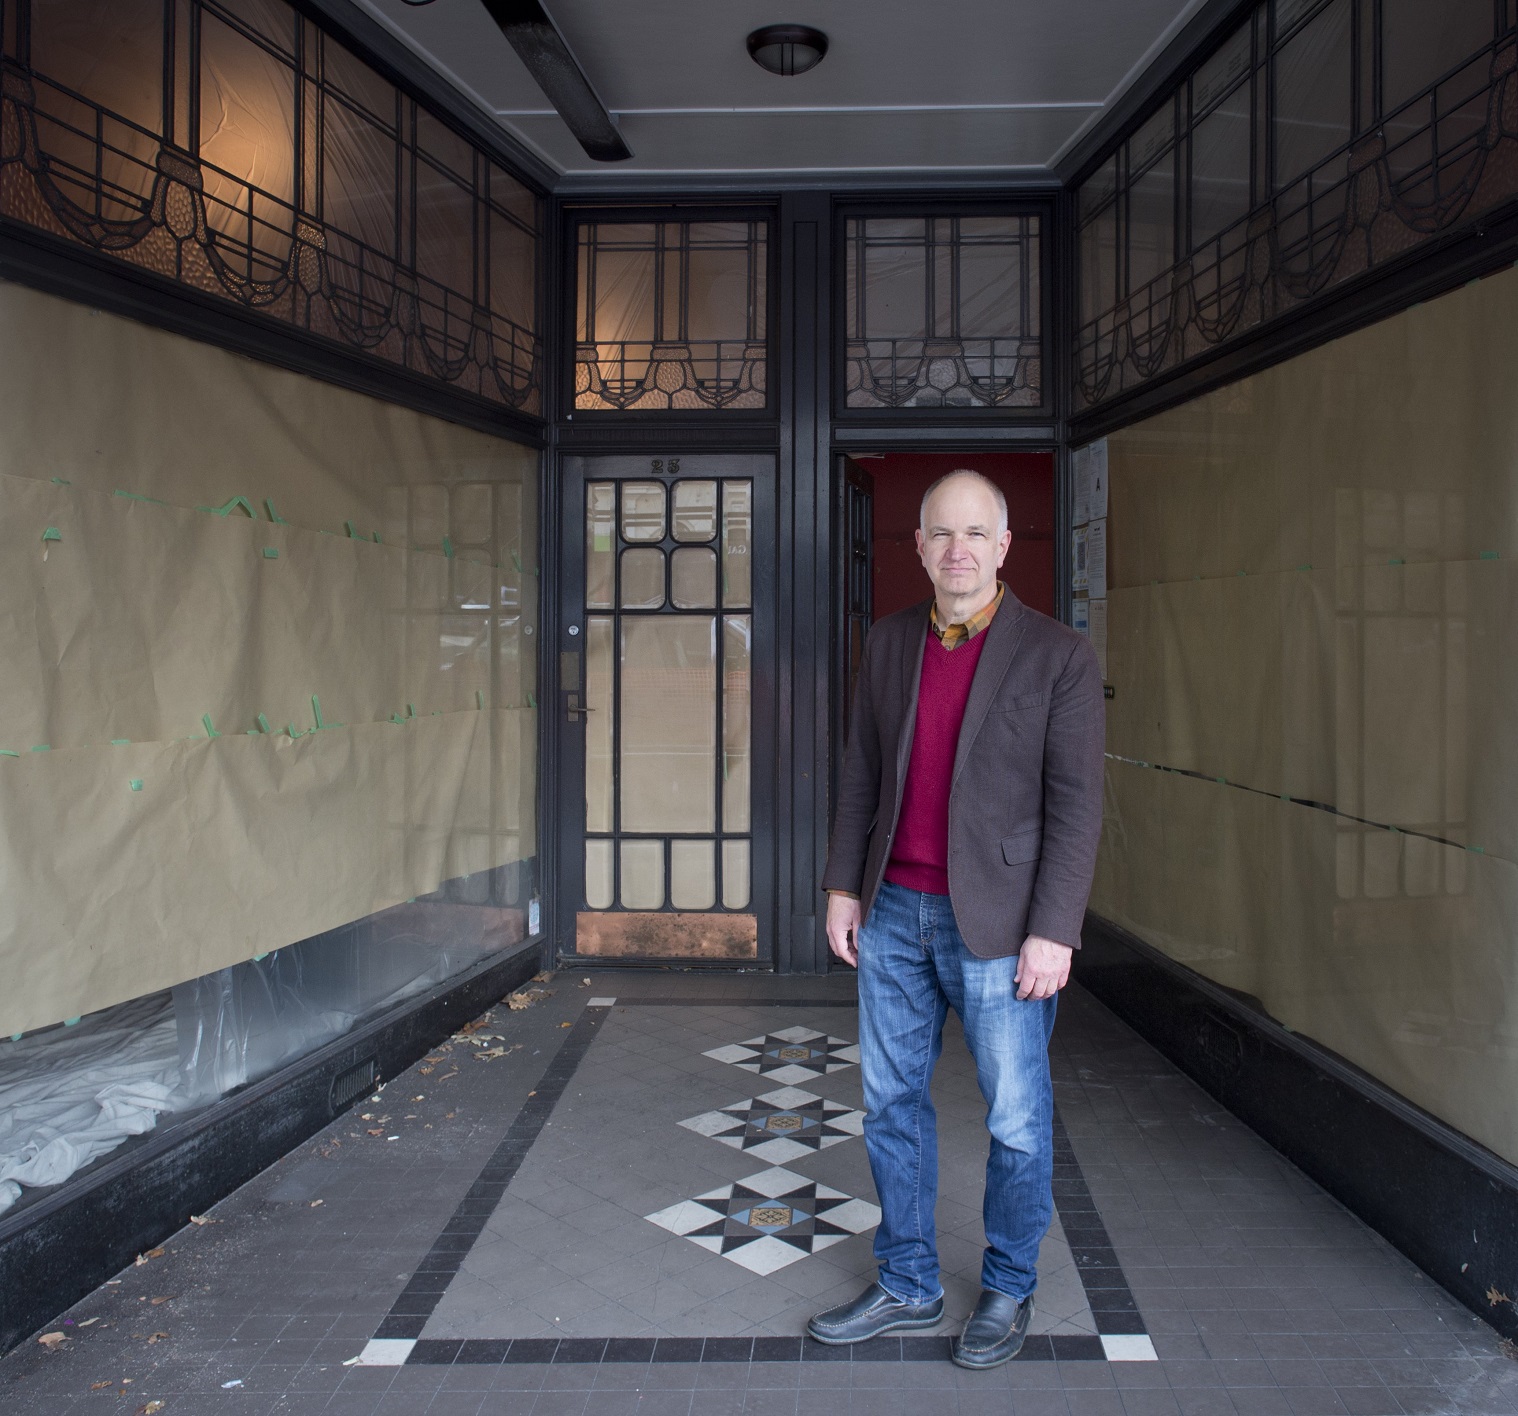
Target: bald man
point(958, 873)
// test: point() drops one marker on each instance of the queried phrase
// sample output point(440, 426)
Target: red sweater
point(920, 851)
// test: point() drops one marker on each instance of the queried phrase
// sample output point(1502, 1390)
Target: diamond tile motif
point(794, 1055)
point(781, 1125)
point(769, 1220)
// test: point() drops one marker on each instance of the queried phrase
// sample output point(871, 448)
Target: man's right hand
point(843, 928)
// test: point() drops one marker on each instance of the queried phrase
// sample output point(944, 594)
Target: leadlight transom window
point(942, 312)
point(1320, 139)
point(672, 316)
point(235, 147)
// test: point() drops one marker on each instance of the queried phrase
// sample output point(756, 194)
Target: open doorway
point(879, 572)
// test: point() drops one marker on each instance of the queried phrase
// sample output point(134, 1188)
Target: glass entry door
point(665, 632)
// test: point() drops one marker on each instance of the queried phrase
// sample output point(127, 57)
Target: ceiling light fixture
point(787, 49)
point(541, 47)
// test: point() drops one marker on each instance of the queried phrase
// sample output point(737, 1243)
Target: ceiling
point(961, 89)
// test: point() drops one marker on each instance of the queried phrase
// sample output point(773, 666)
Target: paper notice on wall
point(1080, 616)
point(1080, 481)
point(1096, 618)
point(1079, 578)
point(1096, 559)
point(1096, 480)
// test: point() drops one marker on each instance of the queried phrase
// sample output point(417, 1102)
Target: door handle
point(574, 707)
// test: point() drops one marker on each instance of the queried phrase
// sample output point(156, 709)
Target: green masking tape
point(6, 752)
point(43, 747)
point(479, 698)
point(230, 507)
point(210, 730)
point(1490, 555)
point(516, 560)
point(71, 1022)
point(352, 531)
point(121, 742)
point(274, 516)
point(271, 553)
point(60, 481)
point(263, 723)
point(531, 701)
point(411, 710)
point(52, 534)
point(399, 721)
point(447, 548)
point(136, 784)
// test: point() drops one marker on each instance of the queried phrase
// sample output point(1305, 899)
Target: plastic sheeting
point(71, 1094)
point(1312, 612)
point(229, 732)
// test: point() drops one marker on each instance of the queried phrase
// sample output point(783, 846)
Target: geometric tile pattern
point(769, 1220)
point(781, 1125)
point(791, 1056)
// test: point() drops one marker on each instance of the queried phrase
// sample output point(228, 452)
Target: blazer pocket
point(1024, 700)
point(1023, 847)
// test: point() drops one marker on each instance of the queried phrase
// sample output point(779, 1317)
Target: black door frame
point(564, 768)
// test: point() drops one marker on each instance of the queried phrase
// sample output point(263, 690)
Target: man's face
point(958, 540)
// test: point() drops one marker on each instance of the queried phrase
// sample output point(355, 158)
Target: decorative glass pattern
point(671, 315)
point(234, 147)
point(1320, 140)
point(942, 312)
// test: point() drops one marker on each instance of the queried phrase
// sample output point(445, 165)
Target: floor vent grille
point(348, 1086)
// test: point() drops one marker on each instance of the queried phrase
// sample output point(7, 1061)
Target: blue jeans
point(913, 966)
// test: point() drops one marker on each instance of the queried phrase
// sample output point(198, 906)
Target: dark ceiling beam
point(541, 47)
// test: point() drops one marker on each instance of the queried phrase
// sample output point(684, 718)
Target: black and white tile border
point(1121, 1335)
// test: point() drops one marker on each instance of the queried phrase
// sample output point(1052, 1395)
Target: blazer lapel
point(911, 681)
point(1003, 635)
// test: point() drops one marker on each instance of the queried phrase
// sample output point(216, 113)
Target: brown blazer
point(1025, 808)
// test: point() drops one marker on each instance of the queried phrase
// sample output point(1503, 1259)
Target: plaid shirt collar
point(952, 636)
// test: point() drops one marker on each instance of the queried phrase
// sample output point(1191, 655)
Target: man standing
point(958, 872)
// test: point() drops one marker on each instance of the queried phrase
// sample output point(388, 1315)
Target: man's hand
point(843, 928)
point(1043, 966)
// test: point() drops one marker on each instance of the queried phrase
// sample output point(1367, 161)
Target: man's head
point(963, 535)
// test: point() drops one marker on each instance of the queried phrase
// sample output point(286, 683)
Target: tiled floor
point(632, 1208)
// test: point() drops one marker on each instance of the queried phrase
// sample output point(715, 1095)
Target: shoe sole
point(959, 1361)
point(901, 1325)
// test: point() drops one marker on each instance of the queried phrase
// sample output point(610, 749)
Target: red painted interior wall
point(1027, 479)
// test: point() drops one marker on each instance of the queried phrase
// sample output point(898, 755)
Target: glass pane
point(600, 549)
point(1220, 169)
point(1312, 113)
point(1151, 224)
point(444, 232)
point(693, 874)
point(643, 578)
point(896, 288)
point(642, 875)
point(598, 875)
point(358, 176)
point(692, 578)
point(1220, 73)
point(695, 511)
point(669, 723)
point(1421, 43)
point(643, 511)
point(1099, 265)
point(737, 532)
point(599, 727)
point(737, 647)
point(735, 875)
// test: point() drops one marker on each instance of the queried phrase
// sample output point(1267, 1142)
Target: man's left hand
point(1043, 967)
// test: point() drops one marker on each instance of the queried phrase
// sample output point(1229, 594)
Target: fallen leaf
point(100, 1386)
point(89, 1322)
point(151, 1408)
point(315, 1204)
point(490, 1054)
point(565, 1025)
point(1494, 1296)
point(542, 977)
point(199, 1219)
point(419, 1098)
point(376, 1130)
point(450, 1116)
point(141, 1259)
point(168, 1299)
point(426, 1071)
point(158, 1337)
point(51, 1340)
point(584, 983)
point(446, 1075)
